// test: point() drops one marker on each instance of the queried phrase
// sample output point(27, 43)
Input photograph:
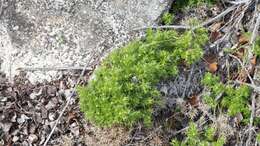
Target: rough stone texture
point(64, 33)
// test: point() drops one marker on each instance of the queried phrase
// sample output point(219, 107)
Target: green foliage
point(195, 138)
point(210, 133)
point(216, 88)
point(256, 121)
point(258, 137)
point(256, 47)
point(192, 135)
point(190, 3)
point(167, 18)
point(235, 100)
point(123, 88)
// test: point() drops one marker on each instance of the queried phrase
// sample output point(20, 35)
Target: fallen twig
point(190, 27)
point(57, 121)
point(237, 2)
point(255, 15)
point(250, 55)
point(69, 98)
point(1, 8)
point(242, 14)
point(248, 142)
point(52, 68)
point(224, 13)
point(256, 27)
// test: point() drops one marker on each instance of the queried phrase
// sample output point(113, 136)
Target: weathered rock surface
point(64, 33)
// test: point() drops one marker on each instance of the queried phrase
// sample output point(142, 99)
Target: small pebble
point(52, 116)
point(32, 138)
point(15, 139)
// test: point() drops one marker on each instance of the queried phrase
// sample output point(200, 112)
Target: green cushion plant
point(123, 89)
point(234, 99)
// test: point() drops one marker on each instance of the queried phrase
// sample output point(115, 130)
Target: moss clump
point(207, 137)
point(234, 100)
point(123, 90)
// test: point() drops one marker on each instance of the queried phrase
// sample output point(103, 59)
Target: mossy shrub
point(123, 88)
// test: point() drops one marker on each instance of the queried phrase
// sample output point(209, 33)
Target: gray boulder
point(54, 34)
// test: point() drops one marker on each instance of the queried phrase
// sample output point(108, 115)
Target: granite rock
point(68, 33)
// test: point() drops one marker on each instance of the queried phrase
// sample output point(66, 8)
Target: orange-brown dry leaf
point(253, 61)
point(213, 67)
point(71, 116)
point(243, 40)
point(215, 35)
point(252, 67)
point(194, 101)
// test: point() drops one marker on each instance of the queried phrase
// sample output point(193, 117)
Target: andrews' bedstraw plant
point(207, 137)
point(196, 2)
point(256, 47)
point(235, 100)
point(123, 89)
point(258, 137)
point(191, 3)
point(167, 18)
